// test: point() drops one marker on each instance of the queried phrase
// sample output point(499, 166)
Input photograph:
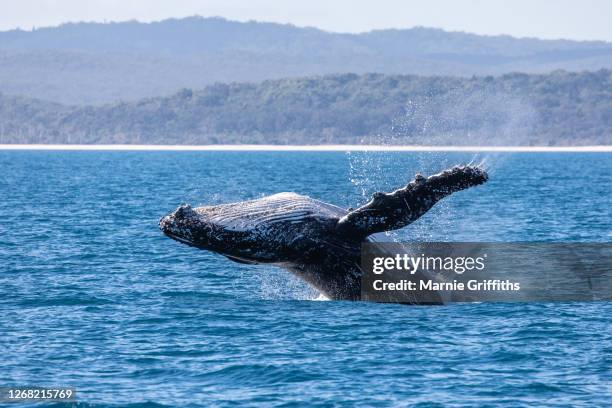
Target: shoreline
point(307, 148)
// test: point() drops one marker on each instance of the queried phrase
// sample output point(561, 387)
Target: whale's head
point(256, 231)
point(187, 226)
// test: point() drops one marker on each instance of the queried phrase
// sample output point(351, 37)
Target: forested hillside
point(515, 109)
point(93, 63)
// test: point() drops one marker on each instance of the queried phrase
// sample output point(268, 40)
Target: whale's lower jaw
point(179, 239)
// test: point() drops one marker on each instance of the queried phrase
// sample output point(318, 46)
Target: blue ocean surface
point(93, 296)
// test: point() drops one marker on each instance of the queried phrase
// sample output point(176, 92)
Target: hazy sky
point(573, 19)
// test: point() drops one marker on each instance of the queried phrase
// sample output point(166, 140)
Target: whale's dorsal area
point(263, 212)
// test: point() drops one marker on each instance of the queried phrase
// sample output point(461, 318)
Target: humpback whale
point(317, 241)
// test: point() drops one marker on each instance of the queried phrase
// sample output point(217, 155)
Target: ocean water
point(93, 296)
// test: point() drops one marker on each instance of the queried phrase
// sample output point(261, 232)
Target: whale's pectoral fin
point(390, 211)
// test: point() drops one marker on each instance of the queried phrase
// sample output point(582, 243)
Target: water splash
point(466, 116)
point(277, 284)
point(455, 116)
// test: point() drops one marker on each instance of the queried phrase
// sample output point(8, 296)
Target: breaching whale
point(317, 241)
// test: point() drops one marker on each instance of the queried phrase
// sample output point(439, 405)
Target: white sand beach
point(311, 148)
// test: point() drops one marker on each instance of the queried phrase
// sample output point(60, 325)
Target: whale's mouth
point(178, 238)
